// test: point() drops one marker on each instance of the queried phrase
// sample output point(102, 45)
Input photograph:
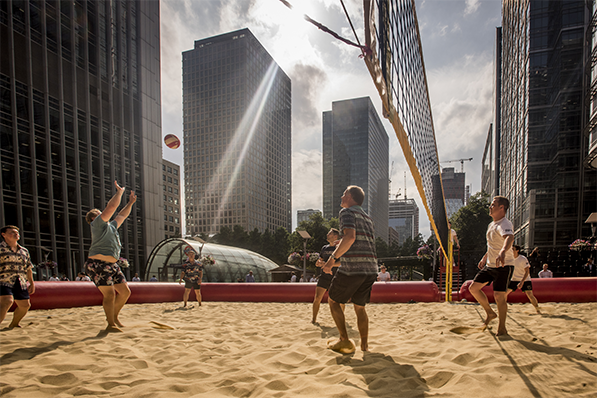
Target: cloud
point(471, 6)
point(307, 82)
point(306, 181)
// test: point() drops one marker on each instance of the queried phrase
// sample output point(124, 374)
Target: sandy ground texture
point(272, 350)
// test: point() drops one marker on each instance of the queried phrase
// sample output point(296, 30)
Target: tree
point(410, 246)
point(470, 222)
point(382, 248)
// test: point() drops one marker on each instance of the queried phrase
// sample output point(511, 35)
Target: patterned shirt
point(192, 271)
point(14, 265)
point(361, 258)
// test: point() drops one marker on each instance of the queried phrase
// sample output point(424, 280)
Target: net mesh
point(394, 57)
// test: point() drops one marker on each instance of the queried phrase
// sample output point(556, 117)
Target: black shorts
point(325, 280)
point(192, 285)
point(499, 276)
point(355, 288)
point(103, 273)
point(16, 291)
point(526, 286)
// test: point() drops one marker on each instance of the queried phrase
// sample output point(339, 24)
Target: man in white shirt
point(545, 273)
point(521, 278)
point(383, 276)
point(497, 264)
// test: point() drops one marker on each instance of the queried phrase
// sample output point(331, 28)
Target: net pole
point(449, 270)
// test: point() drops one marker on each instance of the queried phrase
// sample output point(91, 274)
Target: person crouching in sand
point(104, 253)
point(192, 274)
point(521, 278)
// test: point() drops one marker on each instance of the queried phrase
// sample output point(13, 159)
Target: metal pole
point(305, 260)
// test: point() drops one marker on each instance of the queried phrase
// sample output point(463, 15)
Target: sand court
point(272, 350)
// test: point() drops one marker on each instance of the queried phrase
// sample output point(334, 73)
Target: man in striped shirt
point(357, 271)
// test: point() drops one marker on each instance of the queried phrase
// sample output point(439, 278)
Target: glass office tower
point(80, 108)
point(544, 112)
point(237, 136)
point(356, 152)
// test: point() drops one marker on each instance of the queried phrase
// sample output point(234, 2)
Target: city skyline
point(458, 57)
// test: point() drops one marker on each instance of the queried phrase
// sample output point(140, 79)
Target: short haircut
point(334, 231)
point(91, 215)
point(502, 201)
point(357, 194)
point(7, 227)
point(516, 247)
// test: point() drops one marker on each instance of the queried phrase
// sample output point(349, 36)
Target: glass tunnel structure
point(232, 264)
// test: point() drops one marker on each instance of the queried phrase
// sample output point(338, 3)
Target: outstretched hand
point(132, 197)
point(119, 189)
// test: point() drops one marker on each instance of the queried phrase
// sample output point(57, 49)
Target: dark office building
point(404, 218)
point(80, 108)
point(544, 115)
point(454, 190)
point(356, 152)
point(237, 136)
point(171, 185)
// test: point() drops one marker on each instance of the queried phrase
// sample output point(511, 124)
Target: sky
point(458, 39)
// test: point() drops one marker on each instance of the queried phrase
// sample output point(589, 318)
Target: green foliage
point(470, 222)
point(318, 228)
point(410, 246)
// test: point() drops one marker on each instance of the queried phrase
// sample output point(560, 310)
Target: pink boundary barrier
point(563, 290)
point(49, 295)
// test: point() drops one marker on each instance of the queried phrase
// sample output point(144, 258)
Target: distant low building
point(171, 181)
point(304, 215)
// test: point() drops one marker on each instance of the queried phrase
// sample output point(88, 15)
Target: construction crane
point(390, 180)
point(461, 162)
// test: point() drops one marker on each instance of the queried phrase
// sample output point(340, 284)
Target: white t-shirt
point(496, 234)
point(452, 235)
point(384, 276)
point(545, 274)
point(520, 265)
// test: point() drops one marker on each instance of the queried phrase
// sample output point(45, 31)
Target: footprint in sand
point(467, 330)
point(157, 325)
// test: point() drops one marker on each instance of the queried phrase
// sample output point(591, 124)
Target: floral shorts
point(103, 273)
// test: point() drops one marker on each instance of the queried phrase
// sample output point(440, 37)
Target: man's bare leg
point(319, 292)
point(363, 324)
point(481, 298)
point(502, 304)
point(185, 297)
point(5, 304)
point(533, 300)
point(198, 295)
point(108, 303)
point(20, 312)
point(343, 345)
point(120, 300)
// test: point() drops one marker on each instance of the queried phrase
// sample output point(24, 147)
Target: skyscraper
point(171, 181)
point(356, 152)
point(404, 218)
point(79, 108)
point(544, 115)
point(237, 136)
point(454, 190)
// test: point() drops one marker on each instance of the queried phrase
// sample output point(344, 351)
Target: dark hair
point(502, 201)
point(357, 194)
point(516, 247)
point(7, 227)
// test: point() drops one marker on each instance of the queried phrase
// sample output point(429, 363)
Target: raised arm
point(113, 203)
point(124, 213)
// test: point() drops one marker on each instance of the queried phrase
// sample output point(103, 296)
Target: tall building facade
point(237, 136)
point(454, 190)
point(404, 218)
point(544, 115)
point(356, 152)
point(172, 214)
point(80, 108)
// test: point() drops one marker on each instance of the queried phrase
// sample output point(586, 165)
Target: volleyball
point(172, 141)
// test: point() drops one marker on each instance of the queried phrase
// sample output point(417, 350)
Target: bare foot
point(11, 326)
point(502, 332)
point(314, 322)
point(342, 346)
point(364, 346)
point(538, 310)
point(185, 304)
point(490, 317)
point(113, 329)
point(119, 324)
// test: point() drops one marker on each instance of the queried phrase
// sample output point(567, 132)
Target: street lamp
point(592, 219)
point(305, 235)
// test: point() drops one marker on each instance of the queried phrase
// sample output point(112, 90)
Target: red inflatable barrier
point(564, 290)
point(50, 295)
